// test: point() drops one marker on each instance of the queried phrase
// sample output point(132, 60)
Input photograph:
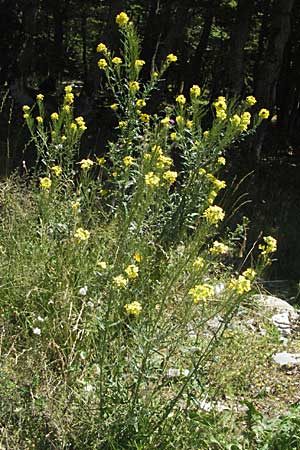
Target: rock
point(273, 303)
point(282, 322)
point(285, 359)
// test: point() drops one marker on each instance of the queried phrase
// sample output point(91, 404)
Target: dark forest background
point(228, 47)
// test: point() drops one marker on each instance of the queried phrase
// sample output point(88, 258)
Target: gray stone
point(273, 303)
point(285, 359)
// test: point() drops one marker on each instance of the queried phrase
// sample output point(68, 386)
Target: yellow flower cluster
point(81, 234)
point(180, 121)
point(145, 117)
point(134, 308)
point(137, 257)
point(134, 86)
point(221, 107)
point(170, 176)
point(114, 106)
point(165, 121)
point(139, 63)
point(54, 116)
point(245, 121)
point(101, 48)
point(45, 183)
point(221, 161)
point(151, 180)
point(171, 58)
point(198, 263)
point(214, 214)
point(81, 123)
point(57, 170)
point(264, 113)
point(140, 103)
point(120, 281)
point(102, 64)
point(250, 100)
point(270, 245)
point(219, 248)
point(122, 19)
point(86, 164)
point(116, 61)
point(249, 273)
point(132, 271)
point(240, 285)
point(180, 99)
point(128, 161)
point(218, 184)
point(40, 97)
point(195, 91)
point(39, 120)
point(201, 292)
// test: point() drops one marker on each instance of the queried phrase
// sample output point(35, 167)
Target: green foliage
point(111, 270)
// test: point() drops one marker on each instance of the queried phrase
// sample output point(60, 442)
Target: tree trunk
point(269, 71)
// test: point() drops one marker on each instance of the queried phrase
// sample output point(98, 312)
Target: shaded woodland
point(232, 48)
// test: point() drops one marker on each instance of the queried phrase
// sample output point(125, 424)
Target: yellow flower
point(26, 108)
point(235, 120)
point(181, 99)
point(198, 263)
point(221, 161)
point(57, 170)
point(39, 119)
point(221, 114)
point(122, 124)
point(64, 138)
point(164, 161)
point(145, 118)
point(249, 273)
point(75, 205)
point(86, 164)
point(151, 180)
point(270, 245)
point(264, 113)
point(101, 48)
point(240, 285)
point(115, 174)
point(219, 248)
point(189, 124)
point(171, 58)
point(102, 265)
point(170, 176)
point(214, 214)
point(134, 308)
point(120, 281)
point(140, 103)
point(101, 161)
point(179, 120)
point(73, 126)
point(128, 160)
point(220, 104)
point(54, 116)
point(201, 292)
point(40, 97)
point(69, 98)
point(132, 271)
point(81, 234)
point(205, 134)
point(26, 116)
point(165, 121)
point(251, 100)
point(173, 136)
point(67, 108)
point(102, 64)
point(68, 89)
point(137, 257)
point(122, 19)
point(114, 106)
point(195, 91)
point(117, 61)
point(155, 74)
point(45, 183)
point(245, 120)
point(134, 86)
point(139, 63)
point(211, 197)
point(219, 184)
